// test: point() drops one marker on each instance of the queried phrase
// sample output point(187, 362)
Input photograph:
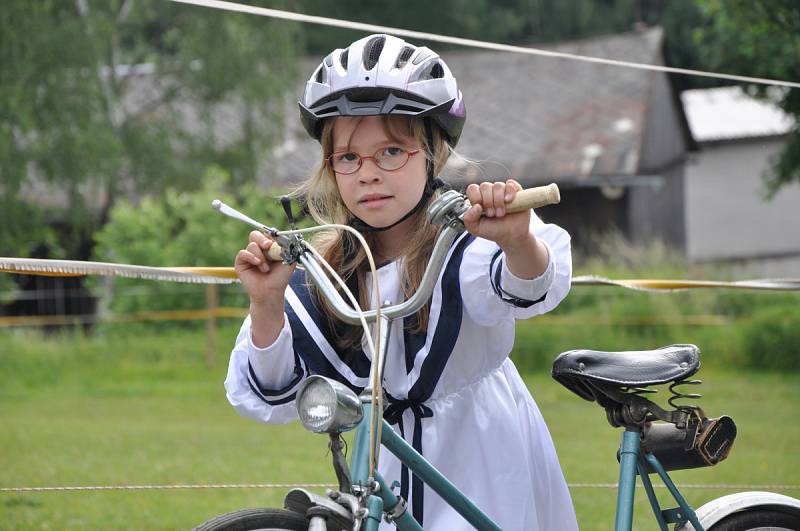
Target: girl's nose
point(369, 172)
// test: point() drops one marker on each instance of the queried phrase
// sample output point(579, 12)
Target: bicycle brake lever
point(286, 249)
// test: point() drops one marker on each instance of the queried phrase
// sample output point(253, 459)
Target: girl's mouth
point(374, 200)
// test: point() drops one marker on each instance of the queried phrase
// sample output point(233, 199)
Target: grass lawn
point(142, 409)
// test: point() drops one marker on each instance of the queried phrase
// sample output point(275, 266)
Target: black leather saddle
point(578, 370)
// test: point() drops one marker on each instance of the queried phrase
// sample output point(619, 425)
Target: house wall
point(727, 217)
point(664, 136)
point(657, 211)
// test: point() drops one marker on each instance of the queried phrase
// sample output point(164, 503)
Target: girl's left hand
point(487, 217)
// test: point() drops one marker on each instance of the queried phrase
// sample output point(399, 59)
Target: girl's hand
point(264, 280)
point(487, 217)
point(526, 256)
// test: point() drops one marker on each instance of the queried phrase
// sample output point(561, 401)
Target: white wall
point(727, 217)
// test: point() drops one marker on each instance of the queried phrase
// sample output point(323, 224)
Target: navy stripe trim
point(413, 342)
point(309, 351)
point(447, 327)
point(279, 402)
point(355, 359)
point(498, 289)
point(266, 392)
point(276, 397)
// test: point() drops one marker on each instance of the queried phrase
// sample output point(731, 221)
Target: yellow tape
point(226, 275)
point(786, 284)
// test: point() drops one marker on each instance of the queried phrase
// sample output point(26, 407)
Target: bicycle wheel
point(255, 520)
point(758, 519)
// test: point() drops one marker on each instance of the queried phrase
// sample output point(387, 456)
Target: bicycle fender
point(715, 510)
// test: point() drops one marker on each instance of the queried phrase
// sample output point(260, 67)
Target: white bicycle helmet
point(380, 75)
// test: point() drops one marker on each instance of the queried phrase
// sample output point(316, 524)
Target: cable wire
point(374, 344)
point(79, 488)
point(473, 43)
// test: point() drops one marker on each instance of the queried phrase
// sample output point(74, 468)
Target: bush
point(180, 229)
point(772, 339)
point(765, 337)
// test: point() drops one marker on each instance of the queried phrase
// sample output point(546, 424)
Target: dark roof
point(540, 119)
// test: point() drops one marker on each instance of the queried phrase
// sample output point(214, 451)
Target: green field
point(141, 408)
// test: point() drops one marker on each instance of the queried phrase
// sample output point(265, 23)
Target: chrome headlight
point(326, 406)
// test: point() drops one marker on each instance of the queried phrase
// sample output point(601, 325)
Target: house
point(614, 139)
point(728, 218)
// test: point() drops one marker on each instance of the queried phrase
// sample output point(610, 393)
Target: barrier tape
point(227, 275)
point(772, 284)
point(75, 268)
point(725, 486)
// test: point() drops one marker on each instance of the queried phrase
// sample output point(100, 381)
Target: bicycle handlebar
point(453, 227)
point(536, 197)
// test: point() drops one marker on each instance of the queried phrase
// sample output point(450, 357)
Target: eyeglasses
point(390, 158)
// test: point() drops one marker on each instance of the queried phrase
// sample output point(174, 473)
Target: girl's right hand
point(264, 280)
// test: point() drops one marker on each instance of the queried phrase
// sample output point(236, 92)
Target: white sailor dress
point(454, 394)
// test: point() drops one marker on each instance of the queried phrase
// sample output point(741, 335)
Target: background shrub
point(180, 228)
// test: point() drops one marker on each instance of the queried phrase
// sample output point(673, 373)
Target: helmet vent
point(320, 77)
point(436, 71)
point(343, 58)
point(373, 51)
point(405, 55)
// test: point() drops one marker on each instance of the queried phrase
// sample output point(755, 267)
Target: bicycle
point(685, 437)
point(364, 497)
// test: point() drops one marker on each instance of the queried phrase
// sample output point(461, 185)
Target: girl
point(387, 115)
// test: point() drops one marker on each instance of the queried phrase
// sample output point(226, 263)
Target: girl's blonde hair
point(343, 251)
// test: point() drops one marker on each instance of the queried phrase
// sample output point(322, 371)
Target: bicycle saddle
point(578, 369)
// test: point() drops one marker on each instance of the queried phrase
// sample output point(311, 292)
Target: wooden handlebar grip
point(536, 197)
point(274, 252)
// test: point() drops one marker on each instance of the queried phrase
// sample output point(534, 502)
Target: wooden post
point(212, 303)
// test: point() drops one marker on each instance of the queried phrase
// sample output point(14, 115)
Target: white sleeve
point(261, 383)
point(492, 293)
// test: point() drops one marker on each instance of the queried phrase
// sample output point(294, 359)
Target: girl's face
point(377, 196)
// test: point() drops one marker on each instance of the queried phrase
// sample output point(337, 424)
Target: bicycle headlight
point(326, 406)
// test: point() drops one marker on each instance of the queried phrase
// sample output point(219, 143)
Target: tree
point(760, 39)
point(112, 98)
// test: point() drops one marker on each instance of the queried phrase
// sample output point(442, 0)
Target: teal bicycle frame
point(386, 500)
point(633, 461)
point(380, 497)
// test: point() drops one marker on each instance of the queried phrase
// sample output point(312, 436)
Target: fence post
point(212, 303)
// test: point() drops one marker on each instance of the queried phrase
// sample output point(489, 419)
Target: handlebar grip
point(274, 252)
point(536, 197)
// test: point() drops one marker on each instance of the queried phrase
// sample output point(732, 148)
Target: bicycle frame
point(632, 462)
point(386, 500)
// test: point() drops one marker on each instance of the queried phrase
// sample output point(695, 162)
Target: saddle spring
point(680, 395)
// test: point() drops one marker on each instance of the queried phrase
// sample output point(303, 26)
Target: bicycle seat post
point(628, 459)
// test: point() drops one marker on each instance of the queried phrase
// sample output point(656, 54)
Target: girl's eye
point(392, 151)
point(346, 157)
